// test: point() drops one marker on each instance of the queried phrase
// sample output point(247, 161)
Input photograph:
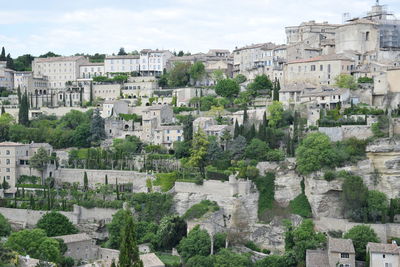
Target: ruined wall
point(138, 179)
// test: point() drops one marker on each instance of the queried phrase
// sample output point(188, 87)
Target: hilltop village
point(275, 155)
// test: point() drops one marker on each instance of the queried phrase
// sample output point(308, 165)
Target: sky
point(67, 27)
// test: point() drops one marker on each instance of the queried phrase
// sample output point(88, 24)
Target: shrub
point(329, 175)
point(165, 180)
point(198, 210)
point(365, 80)
point(301, 206)
point(266, 187)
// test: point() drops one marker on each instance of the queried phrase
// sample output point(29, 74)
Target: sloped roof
point(316, 258)
point(340, 245)
point(151, 260)
point(74, 238)
point(383, 248)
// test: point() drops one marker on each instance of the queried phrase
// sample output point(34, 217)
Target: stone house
point(80, 246)
point(325, 97)
point(339, 253)
point(385, 255)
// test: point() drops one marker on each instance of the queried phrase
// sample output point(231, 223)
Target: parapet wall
point(137, 179)
point(78, 215)
point(218, 188)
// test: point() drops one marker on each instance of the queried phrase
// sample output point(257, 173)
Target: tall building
point(6, 76)
point(58, 70)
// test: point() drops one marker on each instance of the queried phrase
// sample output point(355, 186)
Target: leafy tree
point(302, 238)
point(361, 235)
point(257, 149)
point(114, 228)
point(261, 82)
point(200, 261)
point(5, 184)
point(197, 71)
point(23, 63)
point(227, 258)
point(237, 147)
point(40, 160)
point(240, 78)
point(227, 88)
point(122, 52)
point(182, 149)
point(314, 153)
point(197, 242)
point(217, 75)
point(198, 152)
point(5, 227)
point(10, 61)
point(129, 252)
point(49, 54)
point(354, 196)
point(6, 120)
point(6, 256)
point(97, 132)
point(34, 243)
point(179, 75)
point(346, 81)
point(275, 113)
point(55, 224)
point(170, 232)
point(377, 205)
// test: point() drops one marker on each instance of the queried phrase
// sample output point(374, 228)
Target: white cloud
point(190, 25)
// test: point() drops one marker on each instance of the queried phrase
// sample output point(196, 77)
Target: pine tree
point(236, 131)
point(106, 179)
point(85, 182)
point(129, 252)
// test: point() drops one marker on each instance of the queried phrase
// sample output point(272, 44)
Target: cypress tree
point(117, 189)
point(3, 110)
point(129, 252)
point(245, 116)
point(32, 202)
point(10, 62)
point(23, 113)
point(85, 182)
point(106, 179)
point(5, 184)
point(236, 131)
point(277, 88)
point(261, 132)
point(3, 54)
point(252, 133)
point(19, 95)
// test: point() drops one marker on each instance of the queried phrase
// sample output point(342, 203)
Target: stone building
point(115, 108)
point(339, 252)
point(387, 255)
point(325, 97)
point(120, 64)
point(6, 76)
point(320, 70)
point(80, 246)
point(106, 91)
point(14, 162)
point(90, 70)
point(58, 70)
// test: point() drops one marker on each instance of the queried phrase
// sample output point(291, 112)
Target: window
point(8, 170)
point(7, 152)
point(344, 255)
point(388, 264)
point(8, 161)
point(367, 36)
point(312, 67)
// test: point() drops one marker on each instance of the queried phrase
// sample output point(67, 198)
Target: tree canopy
point(56, 224)
point(198, 242)
point(227, 88)
point(361, 235)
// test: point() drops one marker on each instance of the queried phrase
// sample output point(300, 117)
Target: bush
point(365, 80)
point(55, 224)
point(266, 187)
point(329, 175)
point(5, 227)
point(301, 206)
point(165, 180)
point(198, 210)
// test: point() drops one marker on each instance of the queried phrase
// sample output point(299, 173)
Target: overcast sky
point(88, 26)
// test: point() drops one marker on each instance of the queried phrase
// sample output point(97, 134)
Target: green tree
point(361, 235)
point(198, 152)
point(6, 120)
point(346, 81)
point(34, 243)
point(23, 113)
point(170, 232)
point(217, 75)
point(85, 182)
point(227, 88)
point(114, 228)
point(275, 111)
point(97, 132)
point(198, 242)
point(200, 261)
point(277, 88)
point(354, 196)
point(129, 252)
point(179, 75)
point(377, 205)
point(122, 52)
point(237, 147)
point(197, 71)
point(257, 150)
point(39, 161)
point(261, 82)
point(5, 227)
point(55, 224)
point(227, 258)
point(240, 78)
point(314, 153)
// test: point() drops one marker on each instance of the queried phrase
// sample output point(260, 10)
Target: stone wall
point(384, 231)
point(137, 179)
point(78, 215)
point(396, 126)
point(347, 131)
